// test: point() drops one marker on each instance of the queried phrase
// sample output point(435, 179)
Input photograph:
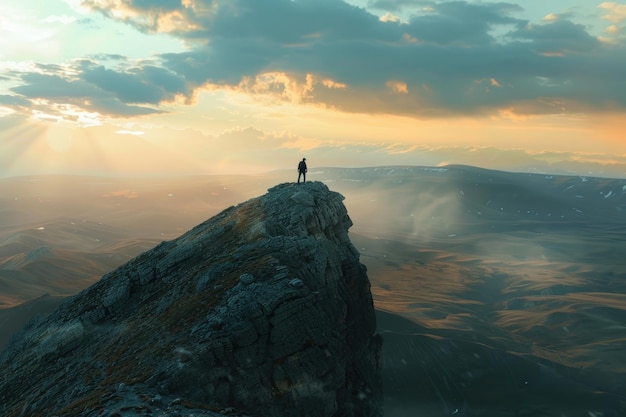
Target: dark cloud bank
point(449, 58)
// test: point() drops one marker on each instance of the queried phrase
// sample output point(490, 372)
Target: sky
point(178, 87)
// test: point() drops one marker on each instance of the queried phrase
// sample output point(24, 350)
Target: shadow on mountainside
point(442, 373)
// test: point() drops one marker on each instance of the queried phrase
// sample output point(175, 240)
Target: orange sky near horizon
point(169, 149)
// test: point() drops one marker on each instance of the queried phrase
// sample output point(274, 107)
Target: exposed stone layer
point(264, 309)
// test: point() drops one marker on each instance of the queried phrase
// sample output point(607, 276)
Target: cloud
point(13, 100)
point(553, 17)
point(398, 86)
point(388, 17)
point(146, 84)
point(333, 84)
point(63, 19)
point(130, 132)
point(615, 12)
point(394, 5)
point(461, 23)
point(290, 49)
point(96, 89)
point(561, 36)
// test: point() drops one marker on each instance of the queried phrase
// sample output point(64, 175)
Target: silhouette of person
point(302, 170)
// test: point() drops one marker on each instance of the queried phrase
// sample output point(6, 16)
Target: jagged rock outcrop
point(261, 310)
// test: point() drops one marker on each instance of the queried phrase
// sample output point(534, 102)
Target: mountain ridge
point(265, 307)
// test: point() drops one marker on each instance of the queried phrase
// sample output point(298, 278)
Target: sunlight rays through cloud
point(362, 73)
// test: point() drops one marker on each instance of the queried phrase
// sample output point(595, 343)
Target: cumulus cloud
point(615, 12)
point(332, 53)
point(94, 88)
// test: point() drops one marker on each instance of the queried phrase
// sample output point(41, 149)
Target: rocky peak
point(261, 310)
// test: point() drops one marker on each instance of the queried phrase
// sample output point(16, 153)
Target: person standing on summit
point(302, 170)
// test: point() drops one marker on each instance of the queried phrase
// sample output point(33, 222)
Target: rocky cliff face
point(262, 310)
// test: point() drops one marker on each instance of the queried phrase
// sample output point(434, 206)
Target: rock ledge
point(261, 310)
